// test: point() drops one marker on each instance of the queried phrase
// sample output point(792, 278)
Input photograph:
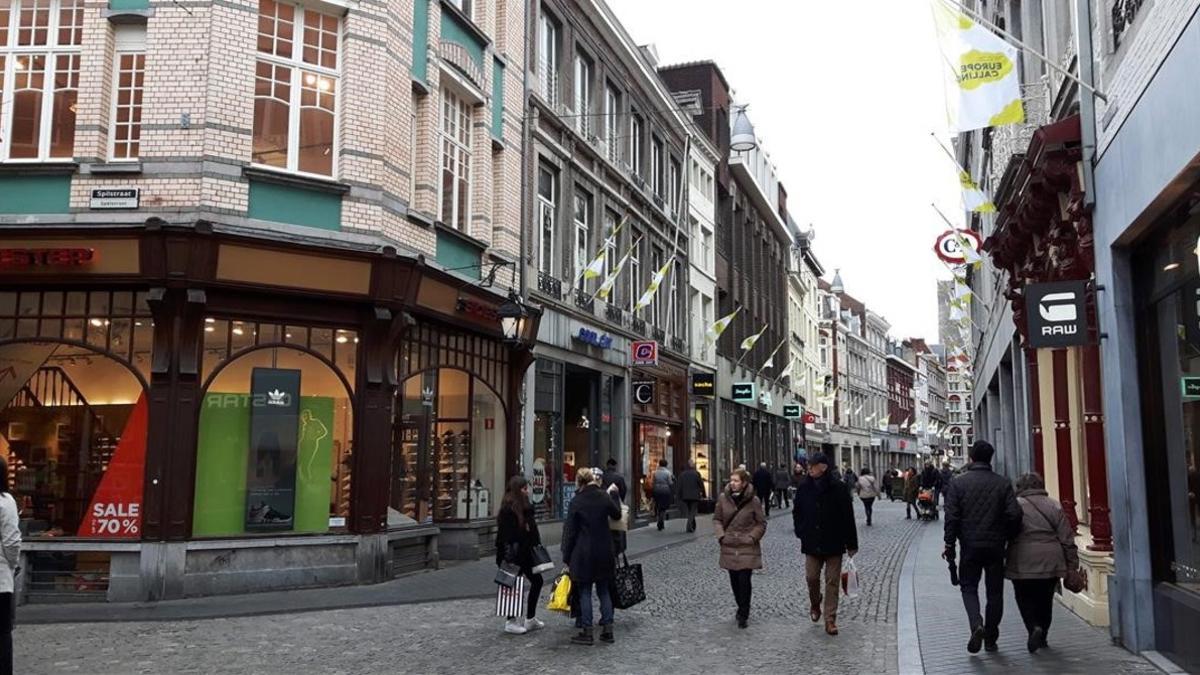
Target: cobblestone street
point(685, 626)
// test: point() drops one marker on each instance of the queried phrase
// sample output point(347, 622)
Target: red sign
point(116, 508)
point(645, 353)
point(477, 309)
point(46, 257)
point(489, 423)
point(810, 418)
point(949, 245)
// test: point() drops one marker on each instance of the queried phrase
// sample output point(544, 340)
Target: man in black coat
point(587, 551)
point(946, 475)
point(983, 515)
point(690, 486)
point(613, 477)
point(823, 516)
point(764, 485)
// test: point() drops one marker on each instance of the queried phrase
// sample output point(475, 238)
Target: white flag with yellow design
point(974, 199)
point(715, 330)
point(982, 67)
point(655, 281)
point(749, 342)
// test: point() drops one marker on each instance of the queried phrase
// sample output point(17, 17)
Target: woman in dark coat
point(739, 525)
point(587, 549)
point(516, 536)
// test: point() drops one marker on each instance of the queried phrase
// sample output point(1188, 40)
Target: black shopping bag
point(628, 588)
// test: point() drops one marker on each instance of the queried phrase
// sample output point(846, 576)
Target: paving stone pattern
point(687, 626)
point(1076, 646)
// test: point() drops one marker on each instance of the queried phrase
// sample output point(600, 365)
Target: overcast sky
point(844, 98)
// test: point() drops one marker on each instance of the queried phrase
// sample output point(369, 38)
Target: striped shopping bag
point(511, 601)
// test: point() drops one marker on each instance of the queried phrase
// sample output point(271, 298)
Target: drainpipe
point(1087, 100)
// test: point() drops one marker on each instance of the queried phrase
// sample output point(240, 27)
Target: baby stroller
point(926, 507)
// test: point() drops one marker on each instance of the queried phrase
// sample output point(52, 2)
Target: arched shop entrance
point(73, 422)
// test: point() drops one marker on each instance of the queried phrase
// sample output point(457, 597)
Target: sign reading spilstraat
point(115, 198)
point(1057, 314)
point(743, 391)
point(791, 411)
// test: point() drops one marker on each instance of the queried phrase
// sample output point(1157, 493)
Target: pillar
point(1035, 411)
point(520, 360)
point(1062, 436)
point(374, 393)
point(1093, 435)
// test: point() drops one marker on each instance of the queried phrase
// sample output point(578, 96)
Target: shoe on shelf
point(534, 624)
point(606, 634)
point(976, 641)
point(515, 627)
point(583, 637)
point(1036, 637)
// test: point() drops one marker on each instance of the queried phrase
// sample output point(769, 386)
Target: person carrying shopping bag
point(1042, 553)
point(516, 537)
point(739, 524)
point(587, 549)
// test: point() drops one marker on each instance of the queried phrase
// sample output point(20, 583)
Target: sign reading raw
point(274, 434)
point(1057, 314)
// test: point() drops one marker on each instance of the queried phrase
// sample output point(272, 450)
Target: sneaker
point(1036, 637)
point(534, 624)
point(976, 641)
point(515, 627)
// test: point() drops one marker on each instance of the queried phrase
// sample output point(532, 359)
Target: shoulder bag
point(1074, 579)
point(541, 560)
point(507, 574)
point(628, 586)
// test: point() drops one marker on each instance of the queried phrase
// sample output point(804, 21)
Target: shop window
point(274, 448)
point(295, 91)
point(73, 430)
point(39, 59)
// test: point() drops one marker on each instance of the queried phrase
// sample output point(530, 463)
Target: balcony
point(1124, 13)
point(584, 301)
point(1013, 139)
point(658, 335)
point(638, 325)
point(678, 345)
point(614, 314)
point(549, 285)
point(549, 83)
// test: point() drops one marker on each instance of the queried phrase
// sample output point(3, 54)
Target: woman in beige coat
point(1039, 556)
point(739, 525)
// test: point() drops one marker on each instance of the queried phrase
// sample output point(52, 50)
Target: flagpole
point(624, 257)
point(947, 220)
point(1041, 57)
point(770, 358)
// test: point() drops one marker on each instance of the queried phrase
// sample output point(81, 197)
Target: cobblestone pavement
point(686, 626)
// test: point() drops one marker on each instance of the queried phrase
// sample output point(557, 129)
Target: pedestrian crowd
point(992, 531)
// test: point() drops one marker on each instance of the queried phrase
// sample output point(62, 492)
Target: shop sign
point(537, 484)
point(791, 411)
point(477, 309)
point(591, 337)
point(46, 257)
point(115, 198)
point(743, 391)
point(1190, 387)
point(810, 418)
point(949, 245)
point(703, 384)
point(1057, 314)
point(643, 392)
point(274, 436)
point(645, 353)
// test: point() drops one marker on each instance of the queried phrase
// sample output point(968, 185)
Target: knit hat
point(818, 458)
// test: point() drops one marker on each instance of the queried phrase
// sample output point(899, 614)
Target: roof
point(702, 62)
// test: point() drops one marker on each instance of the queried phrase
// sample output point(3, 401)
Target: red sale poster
point(116, 508)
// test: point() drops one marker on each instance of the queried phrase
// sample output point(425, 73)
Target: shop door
point(411, 460)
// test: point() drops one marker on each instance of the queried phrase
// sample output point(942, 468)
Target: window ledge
point(128, 16)
point(113, 168)
point(420, 219)
point(295, 180)
point(471, 26)
point(38, 168)
point(462, 236)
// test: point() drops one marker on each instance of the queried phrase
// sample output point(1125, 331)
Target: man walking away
point(663, 489)
point(947, 475)
point(868, 491)
point(613, 477)
point(983, 515)
point(782, 479)
point(823, 516)
point(888, 475)
point(850, 479)
point(910, 492)
point(764, 484)
point(691, 491)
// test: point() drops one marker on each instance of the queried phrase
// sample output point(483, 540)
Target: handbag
point(621, 525)
point(507, 574)
point(628, 586)
point(1074, 580)
point(850, 579)
point(541, 560)
point(510, 601)
point(560, 594)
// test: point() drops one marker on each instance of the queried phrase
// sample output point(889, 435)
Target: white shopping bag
point(850, 579)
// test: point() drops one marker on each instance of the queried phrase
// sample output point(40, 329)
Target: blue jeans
point(585, 604)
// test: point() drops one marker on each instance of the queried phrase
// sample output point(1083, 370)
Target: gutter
point(1087, 101)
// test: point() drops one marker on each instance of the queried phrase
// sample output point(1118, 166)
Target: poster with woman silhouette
point(271, 465)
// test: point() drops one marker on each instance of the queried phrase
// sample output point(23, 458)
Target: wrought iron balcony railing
point(584, 301)
point(549, 285)
point(638, 325)
point(614, 314)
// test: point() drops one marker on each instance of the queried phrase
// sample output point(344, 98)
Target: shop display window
point(701, 446)
point(276, 430)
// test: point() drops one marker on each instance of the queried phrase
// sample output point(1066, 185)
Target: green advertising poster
point(221, 458)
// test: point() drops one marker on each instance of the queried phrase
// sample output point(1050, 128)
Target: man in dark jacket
point(764, 483)
point(690, 486)
point(823, 516)
point(614, 477)
point(983, 515)
point(946, 475)
point(782, 479)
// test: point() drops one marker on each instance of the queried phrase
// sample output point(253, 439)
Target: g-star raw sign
point(645, 353)
point(743, 391)
point(115, 198)
point(1057, 314)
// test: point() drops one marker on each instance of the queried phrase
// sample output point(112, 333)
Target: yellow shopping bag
point(560, 593)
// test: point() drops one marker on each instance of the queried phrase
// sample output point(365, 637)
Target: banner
point(274, 433)
point(116, 508)
point(986, 87)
